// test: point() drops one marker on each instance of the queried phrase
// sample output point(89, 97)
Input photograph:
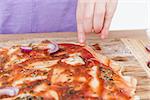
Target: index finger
point(81, 33)
point(79, 16)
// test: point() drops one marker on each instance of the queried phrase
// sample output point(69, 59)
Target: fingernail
point(93, 30)
point(81, 41)
point(81, 38)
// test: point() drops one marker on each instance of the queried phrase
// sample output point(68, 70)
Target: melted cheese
point(81, 79)
point(52, 93)
point(64, 78)
point(22, 80)
point(59, 76)
point(12, 50)
point(22, 95)
point(1, 49)
point(40, 88)
point(14, 60)
point(74, 60)
point(17, 61)
point(94, 83)
point(75, 54)
point(56, 74)
point(11, 61)
point(44, 65)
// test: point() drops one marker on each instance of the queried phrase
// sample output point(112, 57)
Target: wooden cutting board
point(120, 50)
point(137, 47)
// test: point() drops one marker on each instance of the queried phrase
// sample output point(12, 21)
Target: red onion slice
point(148, 48)
point(148, 64)
point(53, 47)
point(9, 91)
point(26, 49)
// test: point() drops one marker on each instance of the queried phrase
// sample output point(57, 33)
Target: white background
point(131, 14)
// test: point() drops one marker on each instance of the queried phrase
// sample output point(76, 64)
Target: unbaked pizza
point(63, 71)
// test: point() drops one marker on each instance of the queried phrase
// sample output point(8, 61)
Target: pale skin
point(94, 16)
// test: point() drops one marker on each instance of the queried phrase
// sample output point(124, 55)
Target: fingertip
point(104, 34)
point(93, 30)
point(98, 27)
point(97, 31)
point(83, 44)
point(81, 38)
point(82, 41)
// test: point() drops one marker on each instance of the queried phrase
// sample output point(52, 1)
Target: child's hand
point(94, 15)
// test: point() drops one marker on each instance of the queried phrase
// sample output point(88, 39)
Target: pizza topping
point(53, 47)
point(31, 87)
point(41, 87)
point(81, 79)
point(11, 61)
point(22, 80)
point(74, 60)
point(58, 75)
point(3, 59)
point(75, 54)
point(64, 78)
point(26, 49)
point(106, 73)
point(148, 64)
point(53, 94)
point(62, 53)
point(148, 48)
point(29, 97)
point(12, 50)
point(17, 61)
point(44, 65)
point(94, 83)
point(9, 91)
point(71, 91)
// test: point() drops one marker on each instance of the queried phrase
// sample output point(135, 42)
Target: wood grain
point(112, 47)
point(72, 35)
point(137, 47)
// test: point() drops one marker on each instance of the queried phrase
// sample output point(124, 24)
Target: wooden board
point(114, 49)
point(137, 47)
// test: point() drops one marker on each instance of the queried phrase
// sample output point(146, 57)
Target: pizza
point(60, 71)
